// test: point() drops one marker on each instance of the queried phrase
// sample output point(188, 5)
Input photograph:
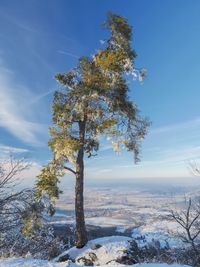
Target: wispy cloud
point(174, 143)
point(37, 98)
point(68, 54)
point(23, 25)
point(16, 115)
point(190, 124)
point(29, 175)
point(5, 150)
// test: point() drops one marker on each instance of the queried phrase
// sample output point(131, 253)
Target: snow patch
point(21, 262)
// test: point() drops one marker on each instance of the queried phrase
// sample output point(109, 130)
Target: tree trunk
point(81, 234)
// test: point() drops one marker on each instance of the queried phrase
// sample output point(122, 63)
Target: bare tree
point(188, 219)
point(22, 226)
point(10, 199)
point(10, 169)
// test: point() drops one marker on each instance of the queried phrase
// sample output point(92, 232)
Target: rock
point(63, 258)
point(127, 260)
point(95, 246)
point(86, 261)
point(93, 256)
point(133, 244)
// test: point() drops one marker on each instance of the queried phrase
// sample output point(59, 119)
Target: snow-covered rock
point(21, 262)
point(109, 250)
point(106, 251)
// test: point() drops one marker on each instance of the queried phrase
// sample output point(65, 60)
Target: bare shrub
point(23, 227)
point(188, 219)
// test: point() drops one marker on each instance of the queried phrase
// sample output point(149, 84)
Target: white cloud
point(28, 177)
point(188, 125)
point(16, 115)
point(6, 150)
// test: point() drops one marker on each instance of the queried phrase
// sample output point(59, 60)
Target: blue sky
point(41, 38)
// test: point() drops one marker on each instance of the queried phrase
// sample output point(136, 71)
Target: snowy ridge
point(106, 251)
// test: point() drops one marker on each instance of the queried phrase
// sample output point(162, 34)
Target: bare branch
point(69, 169)
point(194, 168)
point(188, 219)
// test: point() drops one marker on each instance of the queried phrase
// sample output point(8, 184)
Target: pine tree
point(93, 102)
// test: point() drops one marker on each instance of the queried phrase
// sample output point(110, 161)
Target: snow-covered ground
point(155, 232)
point(127, 210)
point(21, 262)
point(142, 215)
point(104, 251)
point(105, 221)
point(110, 249)
point(40, 263)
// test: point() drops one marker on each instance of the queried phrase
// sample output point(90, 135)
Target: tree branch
point(69, 169)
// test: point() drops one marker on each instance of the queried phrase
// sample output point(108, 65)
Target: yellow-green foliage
point(32, 218)
point(105, 125)
point(109, 61)
point(31, 225)
point(64, 147)
point(48, 180)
